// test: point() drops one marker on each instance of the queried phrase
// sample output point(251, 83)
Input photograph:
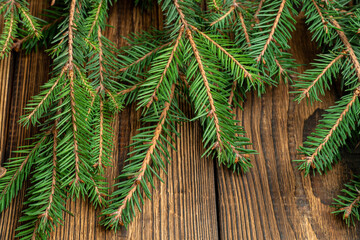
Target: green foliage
point(150, 151)
point(17, 22)
point(74, 110)
point(18, 169)
point(347, 204)
point(209, 58)
point(335, 25)
point(45, 197)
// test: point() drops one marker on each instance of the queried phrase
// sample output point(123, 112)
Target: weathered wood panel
point(198, 200)
point(21, 77)
point(183, 208)
point(274, 200)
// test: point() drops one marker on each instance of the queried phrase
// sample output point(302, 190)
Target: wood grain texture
point(274, 200)
point(21, 76)
point(198, 200)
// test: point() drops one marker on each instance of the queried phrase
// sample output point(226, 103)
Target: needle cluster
point(210, 59)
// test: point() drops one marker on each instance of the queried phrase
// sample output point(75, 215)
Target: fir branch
point(96, 18)
point(348, 209)
point(272, 31)
point(246, 73)
point(53, 182)
point(310, 160)
point(34, 29)
point(145, 56)
point(212, 112)
point(347, 204)
point(244, 29)
point(28, 117)
point(349, 49)
point(126, 200)
point(232, 8)
point(261, 3)
point(322, 148)
point(129, 90)
point(9, 26)
point(153, 95)
point(17, 169)
point(321, 16)
point(45, 198)
point(328, 69)
point(72, 95)
point(216, 5)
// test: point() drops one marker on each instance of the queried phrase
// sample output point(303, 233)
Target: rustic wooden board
point(199, 200)
point(274, 200)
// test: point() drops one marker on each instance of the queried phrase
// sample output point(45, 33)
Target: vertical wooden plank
point(30, 72)
point(5, 78)
point(274, 200)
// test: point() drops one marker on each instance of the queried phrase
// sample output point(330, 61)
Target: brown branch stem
point(272, 31)
point(310, 159)
point(307, 90)
point(207, 86)
point(153, 96)
point(349, 49)
point(145, 56)
point(261, 3)
point(96, 18)
point(72, 94)
point(349, 208)
point(244, 29)
point(232, 8)
point(246, 73)
point(321, 16)
point(53, 182)
point(147, 159)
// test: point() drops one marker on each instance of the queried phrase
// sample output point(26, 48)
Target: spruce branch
point(348, 47)
point(121, 210)
point(347, 204)
point(153, 95)
point(212, 113)
point(17, 170)
point(44, 210)
point(8, 34)
point(145, 56)
point(336, 134)
point(261, 3)
point(272, 31)
point(17, 20)
point(232, 8)
point(322, 149)
point(186, 53)
point(317, 80)
point(247, 74)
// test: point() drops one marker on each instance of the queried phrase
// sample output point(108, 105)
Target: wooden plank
point(29, 72)
point(274, 200)
point(6, 74)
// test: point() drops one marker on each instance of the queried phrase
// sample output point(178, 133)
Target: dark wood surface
point(198, 200)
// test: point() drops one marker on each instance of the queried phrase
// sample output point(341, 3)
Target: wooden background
point(199, 200)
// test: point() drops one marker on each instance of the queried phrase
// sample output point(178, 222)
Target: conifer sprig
point(66, 163)
point(333, 25)
point(17, 22)
point(347, 204)
point(210, 58)
point(190, 53)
